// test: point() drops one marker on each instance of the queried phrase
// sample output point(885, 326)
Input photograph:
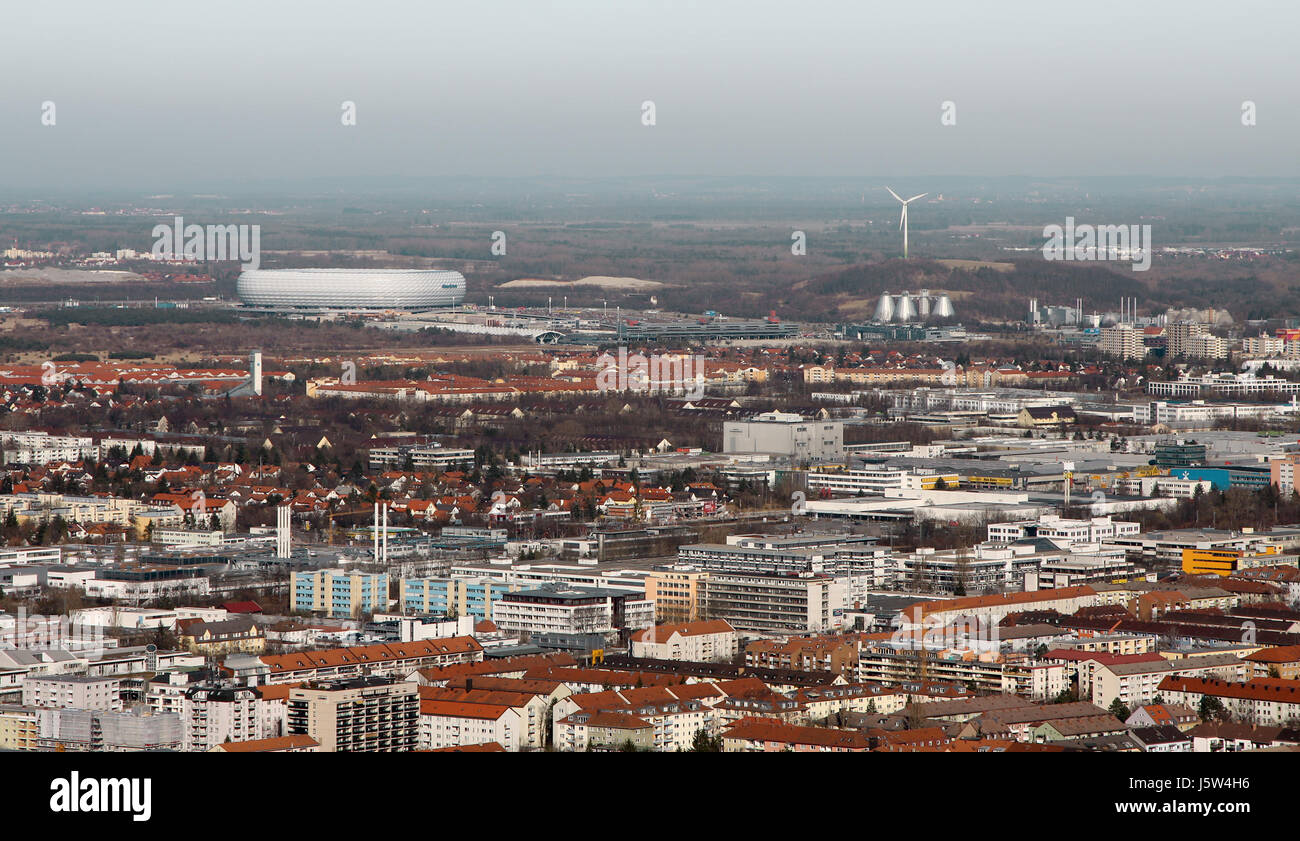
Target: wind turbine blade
point(914, 198)
point(902, 219)
point(895, 195)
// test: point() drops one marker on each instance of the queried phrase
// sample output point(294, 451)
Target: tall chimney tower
point(282, 531)
point(255, 371)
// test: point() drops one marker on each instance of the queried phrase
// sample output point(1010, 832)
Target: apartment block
point(455, 596)
point(366, 714)
point(338, 593)
point(1138, 683)
point(214, 714)
point(1123, 341)
point(678, 593)
point(701, 642)
point(445, 724)
point(835, 654)
point(778, 604)
point(1262, 701)
point(1282, 472)
point(1279, 661)
point(72, 692)
point(561, 609)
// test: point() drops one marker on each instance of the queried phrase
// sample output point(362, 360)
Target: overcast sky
point(162, 96)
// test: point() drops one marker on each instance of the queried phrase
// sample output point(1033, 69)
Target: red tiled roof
point(687, 629)
point(1008, 599)
point(463, 709)
point(1277, 654)
point(297, 741)
point(380, 653)
point(1260, 689)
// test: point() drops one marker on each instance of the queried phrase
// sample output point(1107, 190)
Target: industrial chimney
point(255, 371)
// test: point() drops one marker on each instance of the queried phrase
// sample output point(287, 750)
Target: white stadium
point(351, 289)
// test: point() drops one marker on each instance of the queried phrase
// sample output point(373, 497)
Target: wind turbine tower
point(902, 220)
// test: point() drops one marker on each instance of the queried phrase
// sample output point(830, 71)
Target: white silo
point(943, 306)
point(885, 307)
point(903, 309)
point(923, 304)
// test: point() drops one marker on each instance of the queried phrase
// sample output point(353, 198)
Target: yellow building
point(976, 480)
point(1280, 661)
point(19, 728)
point(160, 518)
point(1046, 417)
point(1221, 562)
point(943, 482)
point(678, 594)
point(232, 636)
point(818, 374)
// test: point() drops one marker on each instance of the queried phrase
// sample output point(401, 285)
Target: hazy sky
point(163, 96)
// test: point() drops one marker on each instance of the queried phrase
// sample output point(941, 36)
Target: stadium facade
point(350, 289)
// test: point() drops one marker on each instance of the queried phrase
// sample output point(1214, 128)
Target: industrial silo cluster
point(907, 307)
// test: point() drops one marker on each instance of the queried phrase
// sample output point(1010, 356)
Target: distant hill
point(998, 292)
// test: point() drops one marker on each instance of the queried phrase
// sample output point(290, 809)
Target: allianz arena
point(350, 289)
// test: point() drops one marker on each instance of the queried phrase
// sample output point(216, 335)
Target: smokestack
point(385, 532)
point(375, 532)
point(255, 371)
point(282, 546)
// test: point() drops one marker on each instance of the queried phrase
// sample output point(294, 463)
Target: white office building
point(788, 435)
point(564, 609)
point(72, 692)
point(1061, 530)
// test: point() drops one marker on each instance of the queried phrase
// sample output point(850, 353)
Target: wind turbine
point(902, 220)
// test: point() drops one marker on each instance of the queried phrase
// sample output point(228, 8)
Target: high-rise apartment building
point(364, 714)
